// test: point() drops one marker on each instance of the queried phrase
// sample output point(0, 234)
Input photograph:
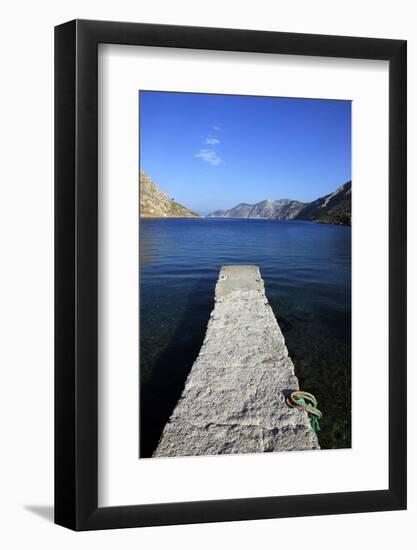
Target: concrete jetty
point(234, 397)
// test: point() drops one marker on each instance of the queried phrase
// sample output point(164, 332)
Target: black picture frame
point(76, 272)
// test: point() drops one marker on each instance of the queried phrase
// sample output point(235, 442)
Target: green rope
point(307, 402)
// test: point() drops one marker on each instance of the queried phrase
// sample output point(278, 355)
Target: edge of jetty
point(234, 397)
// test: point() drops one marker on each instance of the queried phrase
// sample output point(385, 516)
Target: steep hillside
point(154, 203)
point(333, 208)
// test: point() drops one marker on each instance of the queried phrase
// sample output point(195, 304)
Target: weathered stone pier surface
point(234, 397)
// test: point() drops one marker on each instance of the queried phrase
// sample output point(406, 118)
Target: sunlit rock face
point(154, 203)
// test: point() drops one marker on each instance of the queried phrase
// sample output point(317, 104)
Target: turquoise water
point(307, 272)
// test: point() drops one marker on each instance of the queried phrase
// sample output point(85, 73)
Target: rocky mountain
point(332, 208)
point(154, 203)
point(283, 209)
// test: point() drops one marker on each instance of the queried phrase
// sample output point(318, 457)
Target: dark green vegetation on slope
point(333, 208)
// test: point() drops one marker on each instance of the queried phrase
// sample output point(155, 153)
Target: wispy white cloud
point(212, 141)
point(217, 128)
point(208, 155)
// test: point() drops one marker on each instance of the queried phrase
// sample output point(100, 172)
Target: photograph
point(245, 274)
point(206, 336)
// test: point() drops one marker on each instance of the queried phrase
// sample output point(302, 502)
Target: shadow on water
point(161, 392)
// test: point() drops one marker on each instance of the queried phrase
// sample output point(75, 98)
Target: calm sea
point(307, 272)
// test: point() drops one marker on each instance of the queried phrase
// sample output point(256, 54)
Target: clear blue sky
point(215, 151)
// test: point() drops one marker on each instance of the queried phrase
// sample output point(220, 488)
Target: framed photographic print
point(230, 275)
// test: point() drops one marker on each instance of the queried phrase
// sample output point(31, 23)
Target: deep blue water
point(307, 272)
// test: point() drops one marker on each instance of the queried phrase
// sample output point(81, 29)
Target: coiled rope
point(308, 403)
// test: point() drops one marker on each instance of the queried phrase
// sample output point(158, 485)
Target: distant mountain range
point(154, 203)
point(333, 208)
point(282, 209)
